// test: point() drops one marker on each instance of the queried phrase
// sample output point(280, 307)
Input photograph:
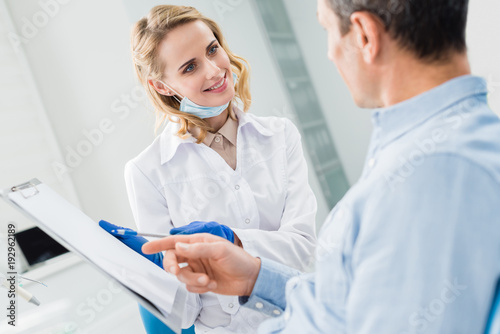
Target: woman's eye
point(213, 49)
point(189, 68)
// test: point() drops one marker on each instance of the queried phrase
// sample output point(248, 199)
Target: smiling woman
point(215, 168)
point(191, 62)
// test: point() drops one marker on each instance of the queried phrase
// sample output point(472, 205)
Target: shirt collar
point(170, 142)
point(230, 129)
point(396, 120)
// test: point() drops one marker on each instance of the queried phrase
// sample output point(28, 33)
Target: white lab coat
point(267, 201)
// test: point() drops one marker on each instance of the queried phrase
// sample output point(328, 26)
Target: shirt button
point(259, 305)
point(236, 187)
point(371, 162)
point(217, 139)
point(277, 312)
point(230, 305)
point(247, 221)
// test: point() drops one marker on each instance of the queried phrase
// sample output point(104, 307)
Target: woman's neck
point(218, 121)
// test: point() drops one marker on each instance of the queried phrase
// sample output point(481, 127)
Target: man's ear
point(160, 87)
point(368, 30)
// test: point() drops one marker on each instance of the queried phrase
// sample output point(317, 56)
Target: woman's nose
point(212, 69)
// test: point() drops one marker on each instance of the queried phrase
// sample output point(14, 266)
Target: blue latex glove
point(134, 242)
point(205, 227)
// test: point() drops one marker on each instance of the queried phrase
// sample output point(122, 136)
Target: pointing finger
point(168, 243)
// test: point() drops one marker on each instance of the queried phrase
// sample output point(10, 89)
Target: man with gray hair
point(414, 246)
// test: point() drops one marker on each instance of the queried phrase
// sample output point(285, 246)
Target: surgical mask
point(192, 108)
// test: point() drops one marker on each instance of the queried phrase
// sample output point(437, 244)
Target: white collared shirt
point(266, 200)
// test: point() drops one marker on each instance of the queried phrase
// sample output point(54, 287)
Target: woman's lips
point(221, 83)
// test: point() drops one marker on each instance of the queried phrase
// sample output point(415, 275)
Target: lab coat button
point(259, 305)
point(230, 305)
point(247, 221)
point(371, 162)
point(236, 187)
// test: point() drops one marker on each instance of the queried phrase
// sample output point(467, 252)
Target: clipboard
point(155, 289)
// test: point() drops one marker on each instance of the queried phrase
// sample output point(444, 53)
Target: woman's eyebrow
point(209, 45)
point(190, 60)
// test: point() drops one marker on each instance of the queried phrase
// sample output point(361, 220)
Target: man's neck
point(411, 77)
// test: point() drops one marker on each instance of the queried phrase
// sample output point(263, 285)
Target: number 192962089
point(11, 247)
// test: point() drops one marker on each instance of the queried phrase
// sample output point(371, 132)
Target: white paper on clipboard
point(159, 292)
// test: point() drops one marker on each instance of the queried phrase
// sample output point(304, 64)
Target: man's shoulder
point(473, 137)
point(457, 138)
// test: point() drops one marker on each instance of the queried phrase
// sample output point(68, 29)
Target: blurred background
point(72, 114)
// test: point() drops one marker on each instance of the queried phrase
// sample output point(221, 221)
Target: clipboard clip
point(27, 189)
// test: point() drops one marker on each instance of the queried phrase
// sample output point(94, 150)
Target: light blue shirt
point(414, 246)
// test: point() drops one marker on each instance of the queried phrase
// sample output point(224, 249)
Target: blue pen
point(130, 232)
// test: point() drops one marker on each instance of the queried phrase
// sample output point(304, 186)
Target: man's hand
point(132, 241)
point(215, 264)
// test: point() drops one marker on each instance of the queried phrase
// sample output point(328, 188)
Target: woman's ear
point(160, 87)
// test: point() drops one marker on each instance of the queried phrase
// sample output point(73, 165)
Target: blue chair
point(493, 326)
point(155, 326)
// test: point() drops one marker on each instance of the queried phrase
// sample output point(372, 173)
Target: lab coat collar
point(245, 119)
point(170, 142)
point(394, 121)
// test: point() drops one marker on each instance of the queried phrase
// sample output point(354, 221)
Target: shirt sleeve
point(425, 258)
point(150, 211)
point(293, 243)
point(268, 295)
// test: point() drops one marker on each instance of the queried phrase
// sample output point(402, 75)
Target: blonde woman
point(215, 168)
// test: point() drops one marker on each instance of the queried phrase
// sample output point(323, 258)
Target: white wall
point(350, 126)
point(81, 65)
point(484, 46)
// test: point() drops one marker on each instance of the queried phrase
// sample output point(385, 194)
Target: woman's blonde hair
point(146, 36)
